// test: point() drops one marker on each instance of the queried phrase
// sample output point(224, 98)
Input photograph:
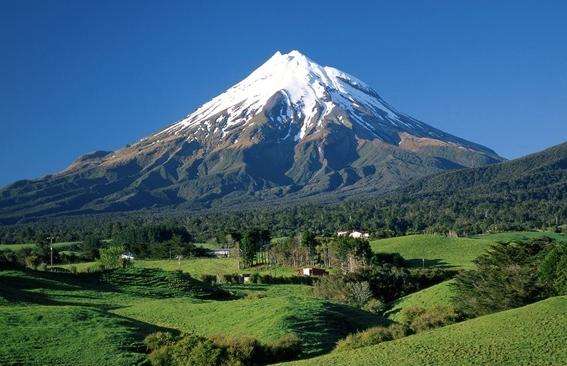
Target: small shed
point(221, 252)
point(246, 278)
point(311, 272)
point(127, 256)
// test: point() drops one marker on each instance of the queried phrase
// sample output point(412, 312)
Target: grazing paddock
point(530, 335)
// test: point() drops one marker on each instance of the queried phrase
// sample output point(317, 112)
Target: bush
point(219, 350)
point(358, 293)
point(331, 288)
point(158, 339)
point(286, 348)
point(419, 319)
point(210, 279)
point(375, 306)
point(371, 337)
point(553, 270)
point(507, 276)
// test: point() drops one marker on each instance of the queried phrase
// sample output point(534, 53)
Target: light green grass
point(16, 247)
point(156, 301)
point(531, 335)
point(439, 250)
point(198, 266)
point(435, 250)
point(440, 294)
point(284, 309)
point(66, 335)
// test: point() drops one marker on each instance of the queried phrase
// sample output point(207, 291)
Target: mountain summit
point(291, 129)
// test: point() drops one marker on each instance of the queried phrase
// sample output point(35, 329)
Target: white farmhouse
point(354, 234)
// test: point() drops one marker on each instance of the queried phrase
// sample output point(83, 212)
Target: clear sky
point(78, 76)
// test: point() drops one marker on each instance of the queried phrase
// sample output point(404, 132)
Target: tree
point(553, 270)
point(253, 241)
point(90, 246)
point(505, 277)
point(111, 257)
point(309, 242)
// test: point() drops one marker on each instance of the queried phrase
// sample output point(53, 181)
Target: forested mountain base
point(527, 193)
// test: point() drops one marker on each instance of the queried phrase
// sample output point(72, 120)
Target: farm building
point(127, 256)
point(311, 271)
point(354, 234)
point(221, 252)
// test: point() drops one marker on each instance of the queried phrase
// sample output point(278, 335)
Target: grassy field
point(439, 294)
point(198, 266)
point(438, 250)
point(66, 335)
point(272, 312)
point(434, 250)
point(531, 335)
point(16, 247)
point(107, 315)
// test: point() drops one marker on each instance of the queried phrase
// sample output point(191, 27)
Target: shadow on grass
point(320, 330)
point(428, 263)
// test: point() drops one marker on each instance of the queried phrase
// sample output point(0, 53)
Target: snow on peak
point(311, 90)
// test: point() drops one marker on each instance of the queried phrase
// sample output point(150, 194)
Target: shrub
point(210, 279)
point(158, 339)
point(331, 288)
point(286, 348)
point(420, 319)
point(111, 257)
point(358, 293)
point(255, 278)
point(371, 337)
point(375, 306)
point(553, 270)
point(219, 350)
point(507, 276)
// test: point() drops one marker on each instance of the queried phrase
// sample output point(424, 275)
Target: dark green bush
point(507, 276)
point(553, 270)
point(210, 279)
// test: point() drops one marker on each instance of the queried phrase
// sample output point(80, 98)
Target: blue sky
point(82, 76)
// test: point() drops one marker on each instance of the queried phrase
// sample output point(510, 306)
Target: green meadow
point(530, 335)
point(437, 250)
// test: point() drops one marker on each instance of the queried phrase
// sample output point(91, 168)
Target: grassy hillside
point(131, 303)
point(531, 335)
point(269, 314)
point(67, 335)
point(439, 294)
point(436, 250)
point(439, 250)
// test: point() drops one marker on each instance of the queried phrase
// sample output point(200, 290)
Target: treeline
point(382, 218)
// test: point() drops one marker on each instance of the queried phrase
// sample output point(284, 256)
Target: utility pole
point(51, 249)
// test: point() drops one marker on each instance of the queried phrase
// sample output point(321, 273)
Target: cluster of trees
point(511, 275)
point(156, 241)
point(345, 253)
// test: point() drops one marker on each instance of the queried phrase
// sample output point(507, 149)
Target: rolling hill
point(531, 335)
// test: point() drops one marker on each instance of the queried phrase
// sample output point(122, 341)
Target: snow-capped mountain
point(291, 129)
